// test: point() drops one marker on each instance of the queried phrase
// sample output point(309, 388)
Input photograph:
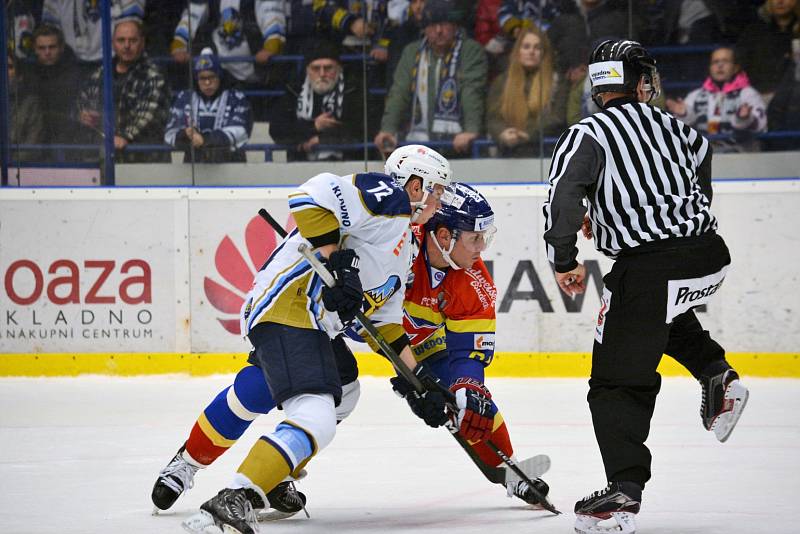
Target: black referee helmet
point(617, 66)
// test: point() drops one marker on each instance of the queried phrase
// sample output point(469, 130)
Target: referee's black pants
point(631, 336)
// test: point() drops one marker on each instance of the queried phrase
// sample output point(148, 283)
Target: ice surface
point(81, 455)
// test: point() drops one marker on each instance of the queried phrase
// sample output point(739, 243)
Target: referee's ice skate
point(724, 399)
point(612, 509)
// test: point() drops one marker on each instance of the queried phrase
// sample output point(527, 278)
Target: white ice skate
point(617, 523)
point(610, 510)
point(724, 400)
point(229, 512)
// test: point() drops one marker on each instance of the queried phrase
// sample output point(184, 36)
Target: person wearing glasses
point(326, 108)
point(216, 121)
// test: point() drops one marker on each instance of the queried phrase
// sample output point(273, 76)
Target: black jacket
point(286, 128)
point(56, 88)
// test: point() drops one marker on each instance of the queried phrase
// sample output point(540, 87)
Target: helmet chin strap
point(419, 207)
point(446, 253)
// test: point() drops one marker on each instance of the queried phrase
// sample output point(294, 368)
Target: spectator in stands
point(141, 96)
point(517, 15)
point(81, 23)
point(22, 17)
point(487, 28)
point(290, 26)
point(160, 19)
point(55, 81)
point(26, 126)
point(356, 24)
point(326, 108)
point(527, 101)
point(246, 30)
point(407, 28)
point(725, 104)
point(439, 85)
point(216, 121)
point(574, 31)
point(784, 109)
point(765, 47)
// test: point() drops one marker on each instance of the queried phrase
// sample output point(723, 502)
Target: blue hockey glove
point(346, 296)
point(429, 405)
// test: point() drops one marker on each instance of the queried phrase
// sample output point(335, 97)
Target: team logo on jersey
point(377, 297)
point(483, 342)
point(607, 73)
point(238, 272)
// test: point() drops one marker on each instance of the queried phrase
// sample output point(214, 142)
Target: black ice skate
point(230, 511)
point(619, 501)
point(522, 489)
point(284, 501)
point(173, 480)
point(724, 399)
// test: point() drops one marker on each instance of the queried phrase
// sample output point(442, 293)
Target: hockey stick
point(412, 379)
point(272, 222)
point(536, 466)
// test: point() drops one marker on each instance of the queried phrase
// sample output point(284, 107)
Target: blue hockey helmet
point(468, 215)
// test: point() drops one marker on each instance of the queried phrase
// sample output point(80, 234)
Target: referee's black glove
point(346, 295)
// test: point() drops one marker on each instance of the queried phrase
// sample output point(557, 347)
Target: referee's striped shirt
point(646, 174)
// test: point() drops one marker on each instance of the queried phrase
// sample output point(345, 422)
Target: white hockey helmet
point(427, 164)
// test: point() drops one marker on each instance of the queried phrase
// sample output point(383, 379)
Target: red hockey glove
point(475, 417)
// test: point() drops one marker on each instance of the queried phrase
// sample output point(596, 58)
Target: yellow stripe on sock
point(264, 465)
point(211, 433)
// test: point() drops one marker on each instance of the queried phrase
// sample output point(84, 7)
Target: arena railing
point(477, 150)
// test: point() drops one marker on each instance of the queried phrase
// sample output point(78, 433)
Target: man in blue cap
point(214, 120)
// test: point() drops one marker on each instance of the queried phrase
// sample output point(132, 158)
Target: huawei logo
point(239, 271)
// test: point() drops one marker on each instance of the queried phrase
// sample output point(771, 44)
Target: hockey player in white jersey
point(359, 226)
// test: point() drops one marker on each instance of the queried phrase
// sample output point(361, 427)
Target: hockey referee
point(647, 179)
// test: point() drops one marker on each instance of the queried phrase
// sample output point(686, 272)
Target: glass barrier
point(90, 90)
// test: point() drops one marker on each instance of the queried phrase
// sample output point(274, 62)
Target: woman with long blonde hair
point(527, 101)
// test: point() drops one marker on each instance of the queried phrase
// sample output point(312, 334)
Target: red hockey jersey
point(451, 310)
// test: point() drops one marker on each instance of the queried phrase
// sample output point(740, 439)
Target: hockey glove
point(475, 418)
point(429, 405)
point(345, 297)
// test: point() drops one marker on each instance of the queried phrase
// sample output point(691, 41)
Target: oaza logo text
point(66, 282)
point(68, 298)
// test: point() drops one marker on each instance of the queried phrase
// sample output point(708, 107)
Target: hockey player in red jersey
point(449, 316)
point(233, 410)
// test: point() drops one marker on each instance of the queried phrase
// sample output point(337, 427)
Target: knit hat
point(207, 60)
point(441, 11)
point(319, 49)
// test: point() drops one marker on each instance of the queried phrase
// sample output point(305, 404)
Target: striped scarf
point(447, 114)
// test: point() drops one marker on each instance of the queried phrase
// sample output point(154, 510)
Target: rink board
point(518, 365)
point(150, 280)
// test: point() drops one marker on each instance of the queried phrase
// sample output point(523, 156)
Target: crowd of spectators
point(196, 74)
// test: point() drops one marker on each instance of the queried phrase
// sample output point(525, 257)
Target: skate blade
point(533, 467)
point(201, 523)
point(726, 422)
point(618, 523)
point(273, 515)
